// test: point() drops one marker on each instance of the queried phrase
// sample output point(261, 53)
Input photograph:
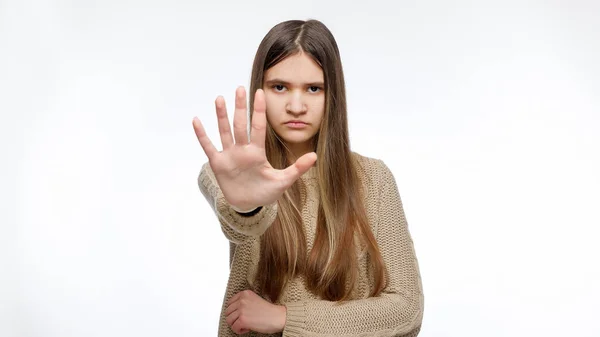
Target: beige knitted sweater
point(398, 311)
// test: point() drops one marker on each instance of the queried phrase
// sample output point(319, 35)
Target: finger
point(224, 129)
point(234, 298)
point(259, 119)
point(205, 142)
point(232, 317)
point(239, 326)
point(232, 307)
point(240, 123)
point(302, 164)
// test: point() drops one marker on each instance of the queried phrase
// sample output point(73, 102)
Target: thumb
point(302, 164)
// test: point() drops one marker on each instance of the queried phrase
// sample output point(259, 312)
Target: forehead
point(297, 68)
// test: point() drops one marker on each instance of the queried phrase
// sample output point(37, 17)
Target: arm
point(398, 311)
point(236, 227)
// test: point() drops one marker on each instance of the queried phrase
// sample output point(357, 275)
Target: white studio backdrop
point(487, 112)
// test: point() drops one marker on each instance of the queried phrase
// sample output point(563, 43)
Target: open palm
point(242, 170)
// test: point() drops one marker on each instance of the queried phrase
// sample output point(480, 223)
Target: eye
point(314, 89)
point(278, 87)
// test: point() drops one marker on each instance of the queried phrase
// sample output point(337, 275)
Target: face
point(295, 97)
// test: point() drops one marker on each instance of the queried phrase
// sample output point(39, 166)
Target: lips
point(296, 124)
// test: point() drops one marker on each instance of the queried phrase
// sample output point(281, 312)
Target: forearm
point(386, 315)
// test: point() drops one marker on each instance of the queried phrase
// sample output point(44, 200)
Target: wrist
point(250, 213)
point(282, 317)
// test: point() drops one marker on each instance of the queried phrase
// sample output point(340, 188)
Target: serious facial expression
point(295, 97)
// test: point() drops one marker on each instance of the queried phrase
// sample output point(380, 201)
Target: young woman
point(319, 240)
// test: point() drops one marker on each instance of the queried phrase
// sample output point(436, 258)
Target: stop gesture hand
point(242, 170)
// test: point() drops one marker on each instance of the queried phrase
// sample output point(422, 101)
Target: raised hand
point(242, 170)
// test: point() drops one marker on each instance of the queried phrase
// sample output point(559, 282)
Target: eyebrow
point(279, 81)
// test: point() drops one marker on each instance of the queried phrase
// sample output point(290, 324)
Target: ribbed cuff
point(246, 212)
point(253, 225)
point(295, 321)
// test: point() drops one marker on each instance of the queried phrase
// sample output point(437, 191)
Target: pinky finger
point(205, 142)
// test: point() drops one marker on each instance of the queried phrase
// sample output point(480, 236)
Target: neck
point(298, 150)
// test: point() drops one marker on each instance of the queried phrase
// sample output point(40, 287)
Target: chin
point(295, 141)
point(294, 137)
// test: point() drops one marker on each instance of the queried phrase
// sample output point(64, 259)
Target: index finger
point(259, 119)
point(234, 298)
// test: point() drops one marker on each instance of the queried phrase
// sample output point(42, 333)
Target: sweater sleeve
point(398, 311)
point(236, 227)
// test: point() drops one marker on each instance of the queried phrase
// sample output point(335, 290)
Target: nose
point(296, 104)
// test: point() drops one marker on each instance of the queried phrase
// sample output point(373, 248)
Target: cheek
point(274, 105)
point(318, 106)
point(270, 109)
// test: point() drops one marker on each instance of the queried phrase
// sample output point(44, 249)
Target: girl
point(319, 241)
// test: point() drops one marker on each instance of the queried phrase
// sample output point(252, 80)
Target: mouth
point(296, 124)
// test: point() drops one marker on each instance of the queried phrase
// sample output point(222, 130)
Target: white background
point(486, 111)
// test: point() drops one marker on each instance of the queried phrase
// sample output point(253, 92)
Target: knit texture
point(398, 311)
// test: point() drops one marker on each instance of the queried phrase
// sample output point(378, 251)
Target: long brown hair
point(330, 270)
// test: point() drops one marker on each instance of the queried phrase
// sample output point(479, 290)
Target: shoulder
point(374, 170)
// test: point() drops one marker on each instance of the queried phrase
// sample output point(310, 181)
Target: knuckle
point(224, 126)
point(257, 127)
point(239, 125)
